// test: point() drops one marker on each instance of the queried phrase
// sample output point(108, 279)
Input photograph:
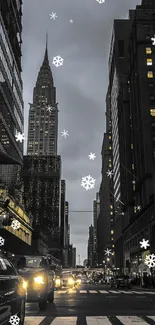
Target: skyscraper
point(43, 114)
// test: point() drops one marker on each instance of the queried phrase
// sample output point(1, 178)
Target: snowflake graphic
point(2, 241)
point(108, 251)
point(14, 320)
point(153, 40)
point(144, 243)
point(15, 224)
point(100, 1)
point(88, 182)
point(134, 182)
point(53, 16)
point(58, 61)
point(19, 136)
point(109, 173)
point(138, 208)
point(71, 21)
point(150, 260)
point(92, 156)
point(64, 133)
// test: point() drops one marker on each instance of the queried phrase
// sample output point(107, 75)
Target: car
point(68, 280)
point(120, 281)
point(12, 293)
point(39, 278)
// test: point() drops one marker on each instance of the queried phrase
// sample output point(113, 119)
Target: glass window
point(148, 50)
point(150, 74)
point(112, 232)
point(152, 112)
point(10, 269)
point(149, 61)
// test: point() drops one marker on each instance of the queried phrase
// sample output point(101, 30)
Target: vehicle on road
point(120, 281)
point(68, 280)
point(12, 293)
point(39, 278)
point(55, 265)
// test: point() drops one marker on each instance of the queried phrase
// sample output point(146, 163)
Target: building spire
point(46, 50)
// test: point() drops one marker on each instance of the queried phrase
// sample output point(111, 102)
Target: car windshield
point(125, 277)
point(33, 262)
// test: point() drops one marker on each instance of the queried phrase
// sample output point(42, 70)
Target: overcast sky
point(81, 86)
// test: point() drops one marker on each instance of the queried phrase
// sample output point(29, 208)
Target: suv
point(120, 281)
point(12, 293)
point(39, 279)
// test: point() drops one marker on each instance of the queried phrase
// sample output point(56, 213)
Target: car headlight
point(57, 281)
point(78, 280)
point(70, 281)
point(39, 280)
point(24, 285)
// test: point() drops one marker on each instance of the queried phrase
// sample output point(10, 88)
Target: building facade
point(91, 246)
point(96, 211)
point(41, 178)
point(11, 86)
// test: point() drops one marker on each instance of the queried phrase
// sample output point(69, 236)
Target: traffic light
point(7, 220)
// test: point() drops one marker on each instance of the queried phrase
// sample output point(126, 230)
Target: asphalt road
point(96, 305)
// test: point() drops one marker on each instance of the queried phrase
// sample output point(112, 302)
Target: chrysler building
point(43, 114)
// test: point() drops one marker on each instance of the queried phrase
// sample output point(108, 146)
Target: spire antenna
point(46, 40)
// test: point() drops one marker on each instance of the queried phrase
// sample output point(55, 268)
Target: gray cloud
point(81, 87)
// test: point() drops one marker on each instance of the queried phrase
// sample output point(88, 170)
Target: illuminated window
point(113, 246)
point(149, 61)
point(150, 74)
point(112, 238)
point(112, 232)
point(109, 137)
point(152, 112)
point(148, 50)
point(111, 213)
point(110, 165)
point(131, 145)
point(110, 148)
point(109, 159)
point(111, 207)
point(133, 166)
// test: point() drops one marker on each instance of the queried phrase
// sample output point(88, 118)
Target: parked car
point(120, 281)
point(39, 278)
point(12, 293)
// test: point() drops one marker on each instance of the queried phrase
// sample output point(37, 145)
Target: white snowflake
point(134, 182)
point(15, 224)
point(64, 133)
point(144, 243)
point(109, 173)
point(108, 251)
point(19, 136)
point(100, 1)
point(153, 40)
point(92, 156)
point(150, 260)
point(53, 16)
point(2, 241)
point(88, 182)
point(71, 21)
point(58, 61)
point(138, 208)
point(14, 320)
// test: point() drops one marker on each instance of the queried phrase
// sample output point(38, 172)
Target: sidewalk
point(133, 286)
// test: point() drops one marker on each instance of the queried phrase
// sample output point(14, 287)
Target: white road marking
point(33, 320)
point(93, 291)
point(103, 291)
point(139, 292)
point(61, 291)
point(128, 320)
point(127, 292)
point(98, 320)
point(113, 291)
point(64, 321)
point(151, 317)
point(150, 292)
point(83, 291)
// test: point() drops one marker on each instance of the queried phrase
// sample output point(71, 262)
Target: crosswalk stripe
point(93, 291)
point(113, 291)
point(83, 291)
point(151, 317)
point(64, 321)
point(150, 292)
point(128, 320)
point(127, 292)
point(98, 320)
point(139, 292)
point(33, 320)
point(103, 291)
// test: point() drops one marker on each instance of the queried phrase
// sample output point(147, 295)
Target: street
point(86, 305)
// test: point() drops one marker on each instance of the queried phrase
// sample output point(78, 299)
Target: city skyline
point(85, 51)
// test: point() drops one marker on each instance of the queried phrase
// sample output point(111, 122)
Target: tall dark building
point(43, 114)
point(91, 246)
point(105, 221)
point(131, 90)
point(11, 86)
point(96, 211)
point(62, 223)
point(41, 176)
